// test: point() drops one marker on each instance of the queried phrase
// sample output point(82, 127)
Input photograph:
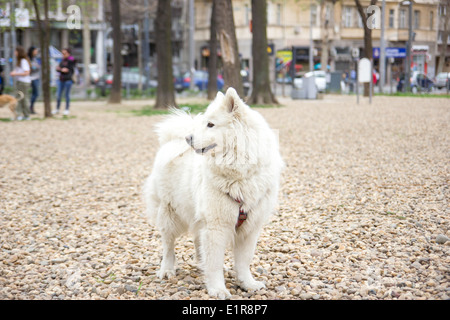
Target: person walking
point(35, 76)
point(22, 74)
point(66, 70)
point(1, 79)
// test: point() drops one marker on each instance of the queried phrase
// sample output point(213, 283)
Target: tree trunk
point(86, 48)
point(367, 38)
point(212, 67)
point(116, 89)
point(44, 41)
point(165, 93)
point(229, 47)
point(261, 93)
point(140, 55)
point(445, 32)
point(325, 36)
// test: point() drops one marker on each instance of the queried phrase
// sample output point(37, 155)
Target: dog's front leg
point(213, 244)
point(244, 249)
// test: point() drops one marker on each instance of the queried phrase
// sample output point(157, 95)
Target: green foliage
point(414, 95)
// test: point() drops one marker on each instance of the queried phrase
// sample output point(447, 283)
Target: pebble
point(306, 296)
point(441, 239)
point(130, 288)
point(361, 211)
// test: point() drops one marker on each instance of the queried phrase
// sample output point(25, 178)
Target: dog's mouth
point(206, 149)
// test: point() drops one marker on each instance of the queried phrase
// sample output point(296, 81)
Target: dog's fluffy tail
point(20, 94)
point(176, 126)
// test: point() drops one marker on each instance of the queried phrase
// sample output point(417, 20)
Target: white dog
point(222, 186)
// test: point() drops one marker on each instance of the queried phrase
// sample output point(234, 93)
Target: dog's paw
point(252, 285)
point(165, 273)
point(221, 293)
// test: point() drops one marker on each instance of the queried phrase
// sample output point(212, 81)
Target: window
point(431, 20)
point(348, 23)
point(313, 15)
point(360, 21)
point(416, 19)
point(391, 18)
point(402, 19)
point(440, 33)
point(279, 14)
point(442, 10)
point(247, 15)
point(328, 13)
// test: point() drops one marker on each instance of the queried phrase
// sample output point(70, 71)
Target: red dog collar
point(242, 215)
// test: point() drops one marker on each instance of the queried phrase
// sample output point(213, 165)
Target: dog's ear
point(219, 95)
point(231, 100)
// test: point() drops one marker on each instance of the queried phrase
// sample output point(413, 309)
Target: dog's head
point(221, 126)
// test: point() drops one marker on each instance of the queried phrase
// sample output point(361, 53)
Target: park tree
point(44, 42)
point(261, 93)
point(367, 36)
point(86, 44)
point(139, 12)
point(212, 66)
point(443, 20)
point(229, 47)
point(326, 24)
point(116, 89)
point(165, 93)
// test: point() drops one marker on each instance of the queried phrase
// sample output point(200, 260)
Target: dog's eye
point(210, 125)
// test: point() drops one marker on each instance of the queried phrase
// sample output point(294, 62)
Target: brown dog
point(11, 102)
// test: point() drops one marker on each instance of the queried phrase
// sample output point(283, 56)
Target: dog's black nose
point(189, 139)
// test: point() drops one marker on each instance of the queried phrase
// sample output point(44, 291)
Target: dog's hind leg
point(244, 248)
point(170, 230)
point(197, 244)
point(12, 107)
point(168, 259)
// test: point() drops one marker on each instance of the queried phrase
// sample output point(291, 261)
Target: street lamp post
point(145, 46)
point(408, 47)
point(311, 42)
point(192, 43)
point(382, 49)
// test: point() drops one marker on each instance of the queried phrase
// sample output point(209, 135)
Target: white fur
point(188, 191)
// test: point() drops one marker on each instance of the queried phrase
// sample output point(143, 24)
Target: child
point(22, 73)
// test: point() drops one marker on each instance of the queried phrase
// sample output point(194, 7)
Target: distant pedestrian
point(2, 85)
point(35, 76)
point(66, 71)
point(22, 74)
point(352, 80)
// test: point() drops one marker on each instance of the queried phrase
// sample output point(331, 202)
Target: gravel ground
point(363, 211)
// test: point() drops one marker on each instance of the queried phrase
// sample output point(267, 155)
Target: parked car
point(129, 78)
point(419, 82)
point(201, 80)
point(442, 79)
point(93, 72)
point(182, 81)
point(320, 79)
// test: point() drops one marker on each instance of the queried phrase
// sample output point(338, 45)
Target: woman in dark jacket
point(66, 70)
point(35, 76)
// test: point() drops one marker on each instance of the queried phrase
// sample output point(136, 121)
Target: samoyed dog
point(216, 176)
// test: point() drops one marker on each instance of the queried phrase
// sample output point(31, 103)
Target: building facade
point(294, 22)
point(291, 23)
